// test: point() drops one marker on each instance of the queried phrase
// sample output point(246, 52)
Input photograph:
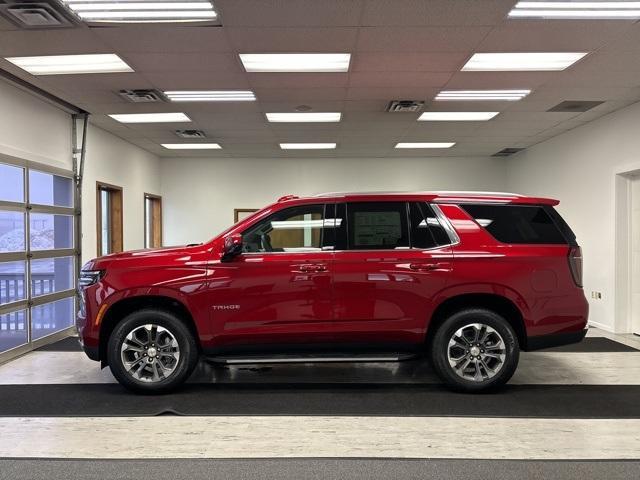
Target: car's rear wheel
point(475, 350)
point(151, 351)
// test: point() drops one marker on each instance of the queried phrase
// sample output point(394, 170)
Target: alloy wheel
point(150, 353)
point(476, 352)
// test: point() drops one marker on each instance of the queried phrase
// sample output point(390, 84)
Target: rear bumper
point(554, 340)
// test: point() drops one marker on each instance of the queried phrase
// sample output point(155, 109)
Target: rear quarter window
point(517, 223)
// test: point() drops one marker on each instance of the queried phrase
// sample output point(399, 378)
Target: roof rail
point(287, 197)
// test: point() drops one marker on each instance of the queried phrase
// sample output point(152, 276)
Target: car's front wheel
point(475, 350)
point(151, 351)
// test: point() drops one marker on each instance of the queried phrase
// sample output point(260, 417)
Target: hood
point(147, 257)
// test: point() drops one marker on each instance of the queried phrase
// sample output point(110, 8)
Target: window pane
point(290, 230)
point(377, 225)
point(516, 223)
point(52, 317)
point(48, 189)
point(11, 232)
point(104, 222)
point(11, 183)
point(49, 275)
point(49, 231)
point(12, 281)
point(13, 330)
point(426, 230)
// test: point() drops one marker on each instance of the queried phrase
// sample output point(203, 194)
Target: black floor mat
point(69, 344)
point(556, 401)
point(593, 344)
point(589, 344)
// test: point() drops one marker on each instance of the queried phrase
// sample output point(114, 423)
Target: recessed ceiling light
point(142, 11)
point(456, 116)
point(482, 95)
point(295, 62)
point(304, 117)
point(521, 61)
point(564, 9)
point(150, 117)
point(71, 64)
point(210, 95)
point(192, 146)
point(307, 146)
point(425, 145)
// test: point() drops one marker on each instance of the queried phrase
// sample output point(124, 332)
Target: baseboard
point(602, 326)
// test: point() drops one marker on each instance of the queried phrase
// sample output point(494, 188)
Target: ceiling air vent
point(575, 106)
point(505, 152)
point(141, 96)
point(36, 15)
point(190, 134)
point(404, 106)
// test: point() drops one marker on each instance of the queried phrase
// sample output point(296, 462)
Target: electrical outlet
point(596, 295)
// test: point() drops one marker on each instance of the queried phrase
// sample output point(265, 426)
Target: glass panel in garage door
point(48, 231)
point(11, 231)
point(12, 281)
point(52, 317)
point(51, 275)
point(49, 189)
point(11, 183)
point(13, 330)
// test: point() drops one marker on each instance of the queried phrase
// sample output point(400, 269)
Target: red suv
point(469, 279)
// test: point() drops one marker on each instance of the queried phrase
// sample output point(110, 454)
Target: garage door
point(37, 254)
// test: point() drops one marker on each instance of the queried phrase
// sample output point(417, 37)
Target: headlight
point(89, 277)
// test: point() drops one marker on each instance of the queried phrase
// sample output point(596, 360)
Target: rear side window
point(377, 225)
point(426, 230)
point(517, 223)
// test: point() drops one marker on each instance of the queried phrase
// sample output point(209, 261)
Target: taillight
point(575, 264)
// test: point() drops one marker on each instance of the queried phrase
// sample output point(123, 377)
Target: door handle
point(312, 268)
point(424, 267)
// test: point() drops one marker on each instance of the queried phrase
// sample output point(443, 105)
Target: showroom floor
point(570, 405)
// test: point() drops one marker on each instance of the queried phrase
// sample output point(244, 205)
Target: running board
point(310, 358)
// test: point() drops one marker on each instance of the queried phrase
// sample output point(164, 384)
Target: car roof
point(431, 196)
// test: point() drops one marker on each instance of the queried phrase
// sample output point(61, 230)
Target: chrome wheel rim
point(476, 352)
point(150, 353)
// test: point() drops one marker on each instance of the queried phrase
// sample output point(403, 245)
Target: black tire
point(186, 341)
point(440, 346)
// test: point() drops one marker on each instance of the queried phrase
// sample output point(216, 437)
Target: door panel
point(389, 271)
point(387, 296)
point(279, 290)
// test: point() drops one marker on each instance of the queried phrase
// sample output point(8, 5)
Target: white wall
point(35, 130)
point(117, 162)
point(199, 194)
point(579, 168)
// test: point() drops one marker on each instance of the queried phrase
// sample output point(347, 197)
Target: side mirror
point(232, 247)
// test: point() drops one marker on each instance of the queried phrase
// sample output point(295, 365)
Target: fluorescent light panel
point(482, 95)
point(588, 10)
point(304, 117)
point(142, 11)
point(307, 146)
point(71, 64)
point(150, 117)
point(296, 62)
point(521, 61)
point(210, 96)
point(191, 146)
point(425, 144)
point(456, 116)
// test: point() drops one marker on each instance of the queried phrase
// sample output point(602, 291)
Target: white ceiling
point(401, 49)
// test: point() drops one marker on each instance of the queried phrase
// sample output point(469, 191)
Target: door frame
point(623, 176)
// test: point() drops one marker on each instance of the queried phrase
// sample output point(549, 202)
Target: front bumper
point(554, 340)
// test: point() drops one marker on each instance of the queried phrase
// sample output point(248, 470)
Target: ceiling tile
point(281, 39)
point(408, 62)
point(297, 80)
point(420, 39)
point(66, 41)
point(288, 13)
point(398, 79)
point(435, 12)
